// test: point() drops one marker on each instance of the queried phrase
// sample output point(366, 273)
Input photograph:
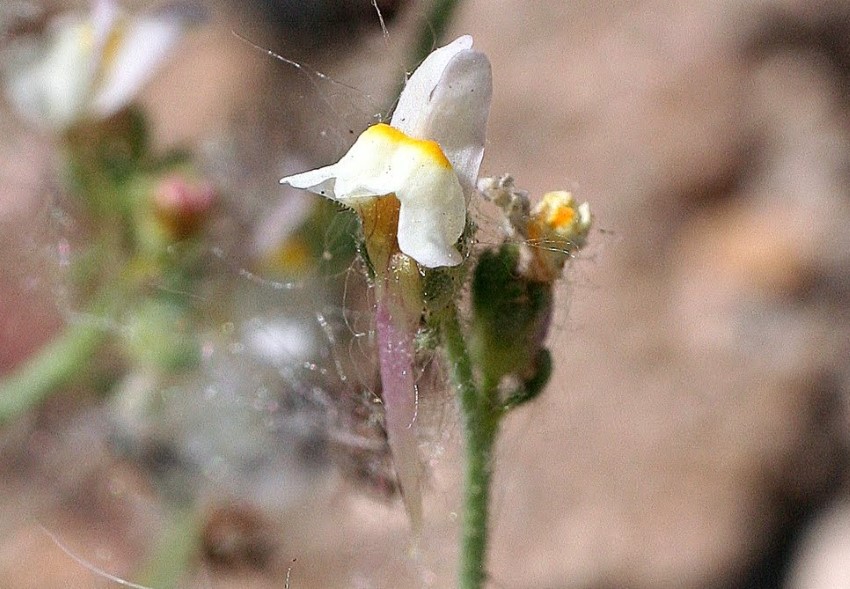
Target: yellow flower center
point(390, 135)
point(558, 211)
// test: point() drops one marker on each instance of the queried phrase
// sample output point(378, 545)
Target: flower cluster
point(410, 181)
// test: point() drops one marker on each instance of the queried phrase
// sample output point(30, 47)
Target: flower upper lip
point(441, 118)
point(447, 99)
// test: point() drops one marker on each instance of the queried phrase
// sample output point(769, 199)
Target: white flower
point(428, 157)
point(93, 67)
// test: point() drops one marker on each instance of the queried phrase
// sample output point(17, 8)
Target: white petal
point(369, 168)
point(104, 16)
point(384, 161)
point(95, 67)
point(365, 171)
point(456, 116)
point(144, 46)
point(320, 181)
point(448, 100)
point(430, 221)
point(53, 90)
point(433, 208)
point(409, 111)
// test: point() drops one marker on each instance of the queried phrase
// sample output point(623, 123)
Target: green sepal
point(510, 316)
point(440, 288)
point(532, 387)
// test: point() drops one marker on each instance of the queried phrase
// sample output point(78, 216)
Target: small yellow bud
point(557, 228)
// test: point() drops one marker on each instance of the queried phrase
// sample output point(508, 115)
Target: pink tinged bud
point(182, 203)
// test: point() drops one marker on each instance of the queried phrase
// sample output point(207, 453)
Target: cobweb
point(285, 400)
point(286, 393)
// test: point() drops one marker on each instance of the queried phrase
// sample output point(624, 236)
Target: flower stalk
point(480, 419)
point(56, 364)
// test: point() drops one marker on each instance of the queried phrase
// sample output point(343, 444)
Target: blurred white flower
point(92, 67)
point(428, 157)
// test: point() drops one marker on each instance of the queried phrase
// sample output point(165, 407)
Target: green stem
point(54, 365)
point(480, 419)
point(173, 553)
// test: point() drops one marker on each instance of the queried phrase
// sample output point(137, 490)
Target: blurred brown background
point(695, 433)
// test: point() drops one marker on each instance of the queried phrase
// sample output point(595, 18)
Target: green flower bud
point(511, 316)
